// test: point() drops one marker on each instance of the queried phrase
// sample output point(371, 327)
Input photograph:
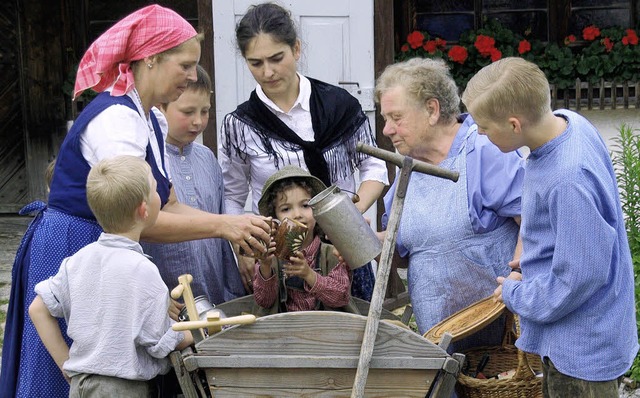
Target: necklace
point(146, 117)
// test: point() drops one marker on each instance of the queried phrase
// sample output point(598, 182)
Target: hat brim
point(285, 173)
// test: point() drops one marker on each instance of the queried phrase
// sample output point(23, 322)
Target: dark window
point(544, 19)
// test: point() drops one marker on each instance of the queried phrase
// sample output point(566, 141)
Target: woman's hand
point(247, 231)
point(174, 309)
point(246, 266)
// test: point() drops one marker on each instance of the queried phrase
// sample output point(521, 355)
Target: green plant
point(626, 160)
point(612, 54)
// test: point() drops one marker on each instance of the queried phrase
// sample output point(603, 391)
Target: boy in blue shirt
point(575, 298)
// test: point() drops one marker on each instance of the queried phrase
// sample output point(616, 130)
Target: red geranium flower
point(404, 48)
point(608, 44)
point(415, 39)
point(458, 54)
point(569, 39)
point(495, 54)
point(524, 46)
point(441, 43)
point(485, 44)
point(590, 33)
point(630, 38)
point(430, 46)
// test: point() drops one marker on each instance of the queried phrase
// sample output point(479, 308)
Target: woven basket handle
point(511, 333)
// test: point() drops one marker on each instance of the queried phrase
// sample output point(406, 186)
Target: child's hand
point(298, 266)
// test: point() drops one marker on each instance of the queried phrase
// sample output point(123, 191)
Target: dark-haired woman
point(293, 119)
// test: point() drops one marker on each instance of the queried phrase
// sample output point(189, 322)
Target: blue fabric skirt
point(363, 282)
point(51, 237)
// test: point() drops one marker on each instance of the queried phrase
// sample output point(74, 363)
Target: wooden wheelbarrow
point(320, 353)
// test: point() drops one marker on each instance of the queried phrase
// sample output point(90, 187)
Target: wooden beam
point(205, 22)
point(44, 111)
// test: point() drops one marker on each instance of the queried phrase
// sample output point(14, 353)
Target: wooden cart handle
point(234, 320)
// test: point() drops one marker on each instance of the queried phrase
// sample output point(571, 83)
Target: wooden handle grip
point(235, 320)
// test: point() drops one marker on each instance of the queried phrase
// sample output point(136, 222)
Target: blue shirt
point(494, 180)
point(576, 297)
point(197, 180)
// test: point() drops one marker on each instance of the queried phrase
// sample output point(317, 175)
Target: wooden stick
point(234, 320)
point(382, 277)
point(184, 290)
point(416, 165)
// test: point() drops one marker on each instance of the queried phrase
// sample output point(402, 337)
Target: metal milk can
point(347, 229)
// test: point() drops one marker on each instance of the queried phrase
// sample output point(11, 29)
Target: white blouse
point(242, 177)
point(119, 130)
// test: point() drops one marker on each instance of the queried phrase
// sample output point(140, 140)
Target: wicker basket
point(524, 383)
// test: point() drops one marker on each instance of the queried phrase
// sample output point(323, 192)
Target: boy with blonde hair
point(575, 298)
point(110, 294)
point(197, 180)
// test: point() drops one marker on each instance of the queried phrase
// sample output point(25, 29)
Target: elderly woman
point(457, 237)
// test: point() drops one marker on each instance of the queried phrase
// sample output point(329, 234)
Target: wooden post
point(386, 258)
point(388, 247)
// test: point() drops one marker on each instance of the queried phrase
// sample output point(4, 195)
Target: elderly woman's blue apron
point(451, 266)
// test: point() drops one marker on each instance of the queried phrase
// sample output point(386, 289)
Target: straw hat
point(289, 171)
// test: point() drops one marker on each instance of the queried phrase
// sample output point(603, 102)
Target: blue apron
point(450, 266)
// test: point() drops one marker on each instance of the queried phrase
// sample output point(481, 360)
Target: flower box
point(599, 70)
point(601, 95)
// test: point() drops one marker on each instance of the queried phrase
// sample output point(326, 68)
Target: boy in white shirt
point(111, 295)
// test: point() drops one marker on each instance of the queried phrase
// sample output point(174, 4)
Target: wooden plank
point(294, 362)
point(578, 94)
point(316, 333)
point(625, 95)
point(316, 382)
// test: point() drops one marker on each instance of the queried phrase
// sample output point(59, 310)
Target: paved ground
point(12, 227)
point(11, 230)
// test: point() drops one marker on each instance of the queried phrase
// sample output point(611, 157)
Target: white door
point(337, 47)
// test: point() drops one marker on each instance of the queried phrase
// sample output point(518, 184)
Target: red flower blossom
point(569, 39)
point(608, 44)
point(524, 46)
point(441, 44)
point(630, 38)
point(404, 48)
point(590, 33)
point(485, 45)
point(458, 54)
point(415, 39)
point(430, 46)
point(495, 54)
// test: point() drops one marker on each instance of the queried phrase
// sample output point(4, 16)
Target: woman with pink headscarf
point(147, 58)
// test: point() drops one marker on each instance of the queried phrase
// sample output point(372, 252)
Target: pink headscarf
point(148, 31)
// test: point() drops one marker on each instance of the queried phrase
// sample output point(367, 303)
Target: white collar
point(303, 96)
